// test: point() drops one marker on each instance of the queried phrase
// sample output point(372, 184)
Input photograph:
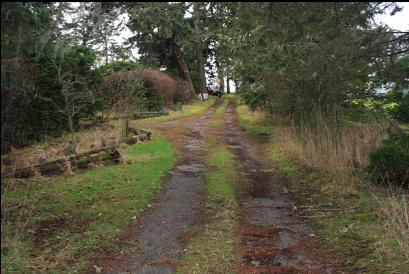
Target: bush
point(176, 107)
point(401, 113)
point(118, 66)
point(161, 89)
point(389, 164)
point(153, 100)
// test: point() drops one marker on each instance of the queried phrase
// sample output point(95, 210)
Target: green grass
point(214, 249)
point(355, 230)
point(405, 127)
point(187, 110)
point(221, 166)
point(90, 209)
point(220, 110)
point(217, 119)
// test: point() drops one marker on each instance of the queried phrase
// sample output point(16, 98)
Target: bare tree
point(76, 98)
point(125, 95)
point(199, 48)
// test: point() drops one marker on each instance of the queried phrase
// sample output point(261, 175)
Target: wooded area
point(324, 85)
point(308, 63)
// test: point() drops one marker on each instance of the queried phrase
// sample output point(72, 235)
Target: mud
point(155, 242)
point(272, 239)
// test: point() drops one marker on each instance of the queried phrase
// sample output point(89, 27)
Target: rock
point(97, 269)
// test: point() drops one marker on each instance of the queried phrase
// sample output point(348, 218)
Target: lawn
point(55, 224)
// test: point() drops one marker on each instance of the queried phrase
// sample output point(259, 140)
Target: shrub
point(176, 107)
point(118, 66)
point(161, 89)
point(401, 113)
point(389, 164)
point(154, 100)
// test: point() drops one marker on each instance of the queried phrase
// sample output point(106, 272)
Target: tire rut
point(272, 239)
point(157, 238)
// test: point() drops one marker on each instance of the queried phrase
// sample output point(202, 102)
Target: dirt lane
point(155, 242)
point(272, 239)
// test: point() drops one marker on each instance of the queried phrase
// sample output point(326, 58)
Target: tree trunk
point(199, 49)
point(106, 50)
point(70, 115)
point(71, 126)
point(236, 83)
point(228, 84)
point(182, 66)
point(221, 77)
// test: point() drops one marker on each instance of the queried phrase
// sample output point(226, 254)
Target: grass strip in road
point(187, 110)
point(214, 248)
point(217, 119)
point(53, 225)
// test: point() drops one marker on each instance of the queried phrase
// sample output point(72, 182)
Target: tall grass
point(342, 152)
point(340, 149)
point(395, 214)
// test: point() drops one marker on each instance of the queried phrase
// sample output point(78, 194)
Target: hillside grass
point(54, 225)
point(365, 225)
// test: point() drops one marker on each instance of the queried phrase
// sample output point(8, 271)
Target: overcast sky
point(399, 21)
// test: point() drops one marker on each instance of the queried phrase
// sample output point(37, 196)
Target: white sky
point(399, 21)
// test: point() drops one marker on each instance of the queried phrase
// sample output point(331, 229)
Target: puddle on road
point(193, 147)
point(278, 259)
point(279, 239)
point(195, 168)
point(286, 239)
point(150, 269)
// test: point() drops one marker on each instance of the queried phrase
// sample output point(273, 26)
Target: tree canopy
point(293, 59)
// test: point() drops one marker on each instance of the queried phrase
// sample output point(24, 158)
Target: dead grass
point(340, 162)
point(394, 210)
point(53, 148)
point(340, 154)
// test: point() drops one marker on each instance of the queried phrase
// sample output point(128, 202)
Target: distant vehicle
point(214, 91)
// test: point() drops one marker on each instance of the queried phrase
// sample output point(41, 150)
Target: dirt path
point(272, 239)
point(156, 240)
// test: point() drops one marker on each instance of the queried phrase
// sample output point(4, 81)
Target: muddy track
point(272, 239)
point(157, 238)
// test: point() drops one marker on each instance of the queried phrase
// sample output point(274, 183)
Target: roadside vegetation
point(366, 223)
point(324, 82)
point(54, 224)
